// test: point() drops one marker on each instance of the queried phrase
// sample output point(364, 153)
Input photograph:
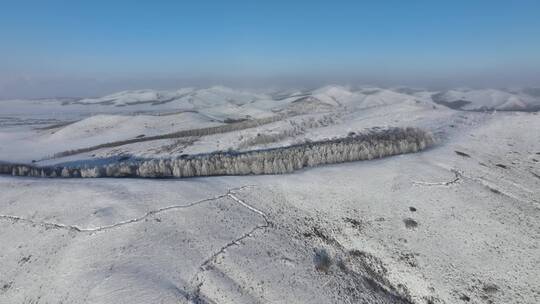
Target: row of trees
point(374, 144)
point(224, 128)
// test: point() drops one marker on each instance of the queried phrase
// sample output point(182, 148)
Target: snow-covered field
point(456, 223)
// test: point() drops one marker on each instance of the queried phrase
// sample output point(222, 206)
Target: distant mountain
point(224, 99)
point(489, 99)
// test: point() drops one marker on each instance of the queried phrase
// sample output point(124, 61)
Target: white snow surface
point(457, 223)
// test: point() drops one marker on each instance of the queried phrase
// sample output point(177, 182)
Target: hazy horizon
point(63, 48)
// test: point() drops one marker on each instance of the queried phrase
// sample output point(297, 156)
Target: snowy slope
point(106, 128)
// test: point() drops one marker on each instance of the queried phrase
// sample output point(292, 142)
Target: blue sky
point(93, 47)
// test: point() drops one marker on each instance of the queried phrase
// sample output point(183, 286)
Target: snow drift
point(374, 144)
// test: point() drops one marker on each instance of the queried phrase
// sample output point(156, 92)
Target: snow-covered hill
point(488, 99)
point(456, 223)
point(140, 117)
point(221, 101)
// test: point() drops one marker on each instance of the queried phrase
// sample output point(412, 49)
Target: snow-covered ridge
point(488, 99)
point(203, 97)
point(334, 95)
point(218, 100)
